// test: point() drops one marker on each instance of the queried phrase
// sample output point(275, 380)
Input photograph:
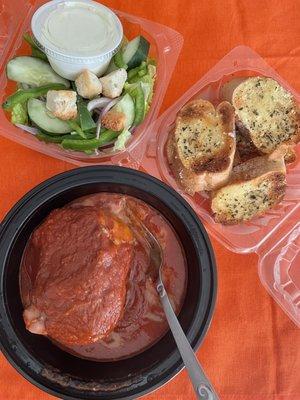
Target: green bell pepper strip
point(36, 52)
point(23, 95)
point(108, 136)
point(73, 86)
point(28, 38)
point(44, 137)
point(139, 104)
point(119, 61)
point(75, 136)
point(86, 120)
point(90, 144)
point(75, 127)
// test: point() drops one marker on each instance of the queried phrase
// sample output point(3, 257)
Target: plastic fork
point(202, 386)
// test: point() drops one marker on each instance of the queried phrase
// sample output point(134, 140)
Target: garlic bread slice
point(201, 148)
point(267, 113)
point(255, 186)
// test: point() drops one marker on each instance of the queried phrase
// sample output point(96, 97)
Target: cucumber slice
point(126, 106)
point(39, 114)
point(112, 66)
point(136, 51)
point(33, 71)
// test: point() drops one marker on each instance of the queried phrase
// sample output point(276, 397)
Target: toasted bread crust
point(256, 167)
point(213, 164)
point(255, 186)
point(266, 113)
point(195, 109)
point(270, 190)
point(290, 153)
point(245, 148)
point(201, 148)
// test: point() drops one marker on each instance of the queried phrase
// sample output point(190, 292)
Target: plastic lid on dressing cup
point(96, 38)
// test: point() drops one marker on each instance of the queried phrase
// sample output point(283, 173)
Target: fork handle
point(202, 386)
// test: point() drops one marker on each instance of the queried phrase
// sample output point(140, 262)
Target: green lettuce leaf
point(147, 84)
point(122, 140)
point(19, 114)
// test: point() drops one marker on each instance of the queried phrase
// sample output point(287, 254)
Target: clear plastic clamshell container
point(278, 250)
point(165, 46)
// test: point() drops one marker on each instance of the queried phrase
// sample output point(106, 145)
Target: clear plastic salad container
point(275, 236)
point(165, 46)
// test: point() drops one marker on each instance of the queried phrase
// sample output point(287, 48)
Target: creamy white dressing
point(80, 29)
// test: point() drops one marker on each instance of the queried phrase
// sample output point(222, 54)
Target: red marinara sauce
point(141, 321)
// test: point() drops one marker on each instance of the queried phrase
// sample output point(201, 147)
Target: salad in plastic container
point(81, 102)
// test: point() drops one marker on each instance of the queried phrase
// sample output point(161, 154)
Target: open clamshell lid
point(279, 269)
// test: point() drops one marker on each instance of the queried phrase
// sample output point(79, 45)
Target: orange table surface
point(252, 350)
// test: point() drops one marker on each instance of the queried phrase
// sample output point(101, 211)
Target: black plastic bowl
point(60, 373)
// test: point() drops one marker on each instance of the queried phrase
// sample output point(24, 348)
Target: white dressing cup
point(77, 35)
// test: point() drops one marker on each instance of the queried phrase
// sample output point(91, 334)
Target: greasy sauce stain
point(143, 321)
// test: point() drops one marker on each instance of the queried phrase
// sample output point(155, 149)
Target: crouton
point(88, 85)
point(201, 148)
point(62, 103)
point(267, 113)
point(114, 120)
point(254, 187)
point(113, 83)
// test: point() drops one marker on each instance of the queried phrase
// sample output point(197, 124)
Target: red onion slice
point(99, 102)
point(109, 106)
point(103, 112)
point(29, 129)
point(98, 128)
point(25, 86)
